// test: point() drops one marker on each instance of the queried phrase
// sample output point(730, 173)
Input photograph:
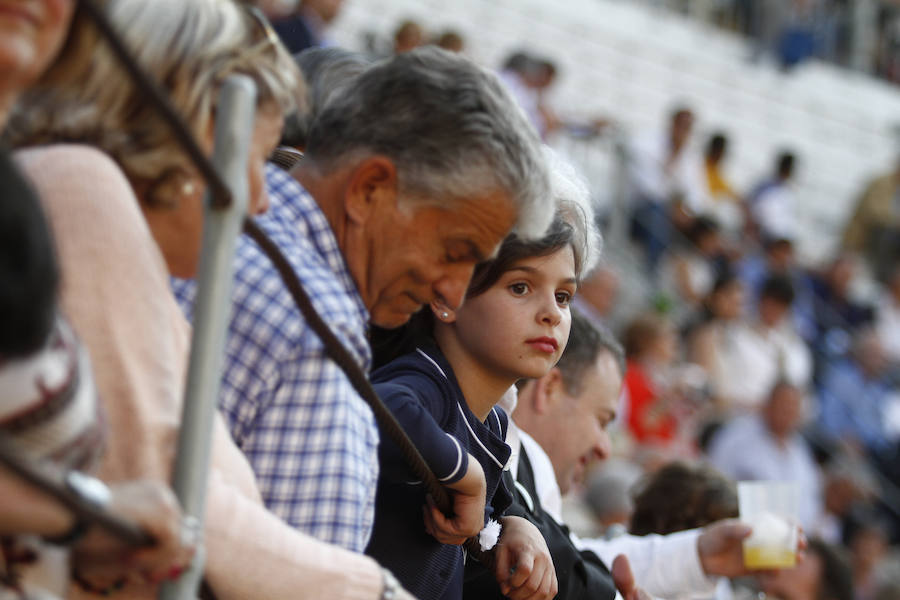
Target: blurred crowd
point(862, 34)
point(745, 359)
point(453, 267)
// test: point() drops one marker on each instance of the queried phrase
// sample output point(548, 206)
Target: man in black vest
point(581, 574)
point(562, 419)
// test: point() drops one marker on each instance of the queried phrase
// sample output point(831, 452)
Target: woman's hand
point(101, 560)
point(468, 496)
point(524, 568)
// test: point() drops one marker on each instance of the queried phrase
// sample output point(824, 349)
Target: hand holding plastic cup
point(770, 508)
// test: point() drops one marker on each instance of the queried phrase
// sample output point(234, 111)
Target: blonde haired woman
point(126, 215)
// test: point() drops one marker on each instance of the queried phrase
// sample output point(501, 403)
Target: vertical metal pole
point(235, 115)
point(864, 23)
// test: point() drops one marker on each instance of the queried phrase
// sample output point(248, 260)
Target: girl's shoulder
point(416, 374)
point(498, 422)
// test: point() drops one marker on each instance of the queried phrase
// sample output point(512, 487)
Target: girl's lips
point(544, 344)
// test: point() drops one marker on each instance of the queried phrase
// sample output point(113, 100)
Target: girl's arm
point(443, 453)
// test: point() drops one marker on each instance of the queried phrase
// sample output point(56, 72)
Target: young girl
point(514, 324)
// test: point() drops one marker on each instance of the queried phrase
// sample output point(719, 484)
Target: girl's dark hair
point(390, 344)
point(513, 249)
point(641, 333)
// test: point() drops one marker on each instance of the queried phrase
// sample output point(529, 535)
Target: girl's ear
point(441, 312)
point(548, 391)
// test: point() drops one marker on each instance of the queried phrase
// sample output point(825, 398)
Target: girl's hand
point(101, 560)
point(524, 568)
point(468, 495)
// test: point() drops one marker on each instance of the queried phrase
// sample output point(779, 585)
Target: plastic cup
point(770, 508)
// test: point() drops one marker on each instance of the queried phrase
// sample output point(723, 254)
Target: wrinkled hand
point(721, 548)
point(524, 568)
point(101, 560)
point(624, 580)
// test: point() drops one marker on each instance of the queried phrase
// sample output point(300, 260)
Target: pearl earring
point(445, 315)
point(187, 188)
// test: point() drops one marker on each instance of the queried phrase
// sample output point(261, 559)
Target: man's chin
point(389, 319)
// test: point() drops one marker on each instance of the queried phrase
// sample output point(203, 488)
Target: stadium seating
point(633, 63)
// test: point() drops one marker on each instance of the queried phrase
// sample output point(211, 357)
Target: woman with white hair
point(125, 205)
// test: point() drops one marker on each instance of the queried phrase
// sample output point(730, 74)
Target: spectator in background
point(656, 408)
point(823, 575)
point(797, 40)
point(869, 547)
point(662, 183)
point(690, 272)
point(874, 229)
point(854, 397)
point(744, 358)
point(597, 295)
point(777, 259)
point(768, 446)
point(772, 204)
point(608, 496)
point(887, 319)
point(718, 199)
point(528, 77)
point(306, 26)
point(837, 313)
point(786, 352)
point(409, 35)
point(848, 485)
point(712, 340)
point(682, 496)
point(450, 40)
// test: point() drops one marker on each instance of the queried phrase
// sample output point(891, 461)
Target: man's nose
point(602, 446)
point(451, 287)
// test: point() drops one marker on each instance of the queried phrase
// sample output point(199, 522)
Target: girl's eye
point(563, 298)
point(518, 289)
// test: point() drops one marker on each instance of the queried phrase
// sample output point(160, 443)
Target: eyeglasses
point(269, 34)
point(269, 38)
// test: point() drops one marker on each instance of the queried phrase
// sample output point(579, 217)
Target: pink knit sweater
point(116, 295)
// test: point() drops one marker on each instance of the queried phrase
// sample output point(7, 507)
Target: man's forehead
point(481, 222)
point(607, 382)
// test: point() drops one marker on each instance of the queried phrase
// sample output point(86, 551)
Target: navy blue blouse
point(422, 392)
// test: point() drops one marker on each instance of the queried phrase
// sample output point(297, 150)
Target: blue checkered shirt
point(312, 441)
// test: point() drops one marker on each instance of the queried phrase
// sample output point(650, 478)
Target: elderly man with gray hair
point(411, 176)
